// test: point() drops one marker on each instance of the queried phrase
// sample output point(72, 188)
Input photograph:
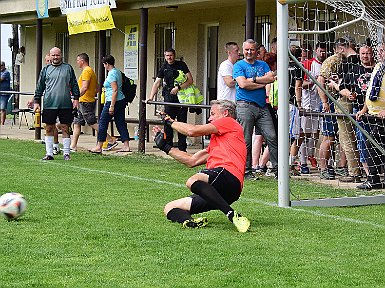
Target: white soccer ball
point(12, 205)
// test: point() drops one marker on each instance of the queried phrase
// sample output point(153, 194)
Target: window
point(319, 18)
point(262, 30)
point(62, 42)
point(164, 39)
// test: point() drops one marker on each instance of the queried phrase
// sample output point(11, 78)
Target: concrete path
point(86, 141)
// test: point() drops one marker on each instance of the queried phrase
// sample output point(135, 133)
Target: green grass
point(97, 221)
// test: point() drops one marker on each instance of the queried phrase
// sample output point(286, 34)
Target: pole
point(283, 105)
point(250, 19)
point(39, 59)
point(0, 43)
point(143, 31)
point(101, 70)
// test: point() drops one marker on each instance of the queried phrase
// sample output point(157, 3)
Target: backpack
point(128, 88)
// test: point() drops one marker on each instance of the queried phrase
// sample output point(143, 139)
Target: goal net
point(335, 73)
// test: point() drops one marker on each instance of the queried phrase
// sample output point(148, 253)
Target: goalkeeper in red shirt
point(220, 184)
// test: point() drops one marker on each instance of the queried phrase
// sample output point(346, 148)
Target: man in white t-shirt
point(226, 83)
point(310, 102)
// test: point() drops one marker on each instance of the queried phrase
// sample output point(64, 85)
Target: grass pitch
point(97, 221)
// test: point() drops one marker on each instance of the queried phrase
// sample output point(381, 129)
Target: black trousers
point(376, 159)
point(177, 113)
point(180, 114)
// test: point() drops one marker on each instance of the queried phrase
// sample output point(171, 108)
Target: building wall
point(190, 41)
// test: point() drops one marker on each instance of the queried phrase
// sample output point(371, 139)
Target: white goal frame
point(283, 115)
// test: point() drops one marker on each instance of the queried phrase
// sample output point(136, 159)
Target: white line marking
point(95, 170)
point(242, 199)
point(316, 213)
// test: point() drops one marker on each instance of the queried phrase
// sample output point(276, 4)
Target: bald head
point(56, 57)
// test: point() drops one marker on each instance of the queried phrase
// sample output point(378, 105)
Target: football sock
point(310, 146)
point(49, 145)
point(230, 215)
point(291, 160)
point(303, 153)
point(66, 145)
point(178, 215)
point(211, 195)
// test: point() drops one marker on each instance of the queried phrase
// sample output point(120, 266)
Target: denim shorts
point(329, 125)
point(295, 122)
point(361, 139)
point(4, 101)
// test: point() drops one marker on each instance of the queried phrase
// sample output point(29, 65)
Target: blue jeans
point(250, 116)
point(361, 139)
point(105, 118)
point(4, 101)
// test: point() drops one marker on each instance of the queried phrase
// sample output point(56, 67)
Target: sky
point(6, 54)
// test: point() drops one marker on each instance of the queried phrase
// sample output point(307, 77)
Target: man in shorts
point(310, 103)
point(87, 103)
point(329, 129)
point(57, 82)
point(5, 85)
point(220, 184)
point(295, 95)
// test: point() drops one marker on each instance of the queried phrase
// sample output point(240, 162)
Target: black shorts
point(227, 185)
point(65, 116)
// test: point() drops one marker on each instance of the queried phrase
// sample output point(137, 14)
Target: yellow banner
point(90, 20)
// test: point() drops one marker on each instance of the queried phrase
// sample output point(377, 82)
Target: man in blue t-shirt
point(252, 75)
point(5, 85)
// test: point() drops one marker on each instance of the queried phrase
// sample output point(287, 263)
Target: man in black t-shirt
point(357, 81)
point(295, 76)
point(169, 72)
point(353, 86)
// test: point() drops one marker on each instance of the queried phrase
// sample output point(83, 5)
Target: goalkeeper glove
point(165, 118)
point(161, 143)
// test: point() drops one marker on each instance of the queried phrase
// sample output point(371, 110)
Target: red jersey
point(227, 148)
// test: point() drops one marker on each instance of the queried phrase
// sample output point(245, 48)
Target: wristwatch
point(254, 79)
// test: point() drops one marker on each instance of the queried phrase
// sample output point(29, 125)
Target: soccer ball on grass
point(12, 205)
